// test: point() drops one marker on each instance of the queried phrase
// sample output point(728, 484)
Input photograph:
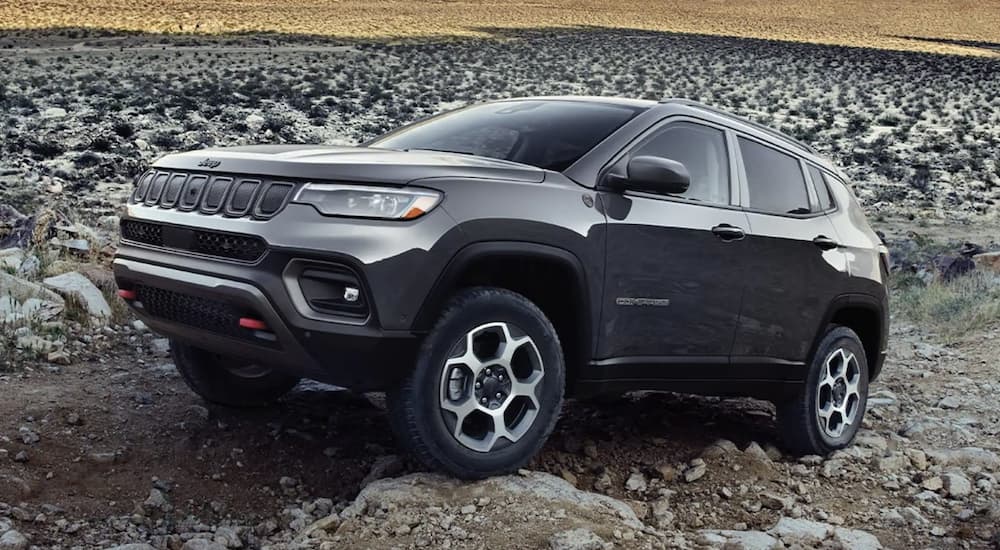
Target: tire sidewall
point(488, 308)
point(838, 337)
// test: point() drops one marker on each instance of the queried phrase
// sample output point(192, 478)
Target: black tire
point(799, 420)
point(219, 379)
point(416, 406)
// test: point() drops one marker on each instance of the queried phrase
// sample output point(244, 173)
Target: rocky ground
point(101, 444)
point(113, 449)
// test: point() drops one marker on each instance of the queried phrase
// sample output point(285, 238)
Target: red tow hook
point(253, 324)
point(127, 294)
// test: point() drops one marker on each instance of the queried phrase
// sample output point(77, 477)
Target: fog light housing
point(333, 290)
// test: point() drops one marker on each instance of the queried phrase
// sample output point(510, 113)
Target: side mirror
point(653, 175)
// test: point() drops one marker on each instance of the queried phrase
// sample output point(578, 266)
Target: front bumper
point(357, 357)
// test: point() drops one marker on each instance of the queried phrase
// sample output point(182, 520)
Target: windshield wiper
point(440, 151)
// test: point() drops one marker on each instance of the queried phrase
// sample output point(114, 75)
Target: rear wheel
point(827, 413)
point(228, 380)
point(487, 388)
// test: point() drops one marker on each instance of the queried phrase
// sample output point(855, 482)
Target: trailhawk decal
point(658, 302)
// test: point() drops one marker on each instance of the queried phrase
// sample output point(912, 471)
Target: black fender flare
point(857, 301)
point(471, 253)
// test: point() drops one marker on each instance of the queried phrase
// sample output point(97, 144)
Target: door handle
point(728, 232)
point(826, 243)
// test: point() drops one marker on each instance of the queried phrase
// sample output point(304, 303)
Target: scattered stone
point(755, 452)
point(577, 539)
point(636, 482)
point(383, 467)
point(740, 540)
point(950, 402)
point(202, 544)
point(957, 485)
point(80, 288)
point(13, 540)
point(720, 447)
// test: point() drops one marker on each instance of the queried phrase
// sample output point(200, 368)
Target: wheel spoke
point(481, 383)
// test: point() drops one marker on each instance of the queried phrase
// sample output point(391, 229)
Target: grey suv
point(480, 265)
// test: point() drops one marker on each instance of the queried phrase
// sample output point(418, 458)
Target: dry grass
point(883, 24)
point(954, 308)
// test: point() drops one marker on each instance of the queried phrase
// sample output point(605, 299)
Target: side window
point(822, 188)
point(702, 150)
point(775, 180)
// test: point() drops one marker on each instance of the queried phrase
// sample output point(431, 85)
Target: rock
point(22, 290)
point(254, 122)
point(966, 456)
point(80, 288)
point(58, 357)
point(695, 473)
point(202, 544)
point(577, 539)
point(156, 501)
point(719, 447)
point(662, 515)
point(856, 539)
point(21, 456)
point(755, 452)
point(892, 463)
point(546, 495)
point(988, 261)
point(28, 436)
point(160, 346)
point(957, 485)
point(54, 112)
point(132, 546)
point(739, 540)
point(636, 482)
point(802, 531)
point(933, 483)
point(384, 466)
point(772, 501)
point(13, 540)
point(666, 471)
point(950, 402)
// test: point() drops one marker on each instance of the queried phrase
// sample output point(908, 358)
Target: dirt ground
point(111, 427)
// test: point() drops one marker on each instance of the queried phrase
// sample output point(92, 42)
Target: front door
point(674, 273)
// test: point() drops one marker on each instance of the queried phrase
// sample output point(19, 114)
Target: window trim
point(745, 181)
point(829, 192)
point(734, 186)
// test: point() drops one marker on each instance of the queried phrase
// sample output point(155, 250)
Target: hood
point(347, 164)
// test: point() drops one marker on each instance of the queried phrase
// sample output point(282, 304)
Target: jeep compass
point(480, 265)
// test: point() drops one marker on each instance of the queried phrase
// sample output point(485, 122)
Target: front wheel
point(487, 388)
point(827, 413)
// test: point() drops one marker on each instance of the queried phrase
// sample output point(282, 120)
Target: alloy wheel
point(490, 385)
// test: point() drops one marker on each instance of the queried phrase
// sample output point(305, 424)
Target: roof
point(789, 140)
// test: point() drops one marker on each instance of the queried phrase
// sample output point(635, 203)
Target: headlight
point(368, 202)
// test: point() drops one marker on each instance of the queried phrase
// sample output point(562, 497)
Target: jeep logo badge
point(209, 163)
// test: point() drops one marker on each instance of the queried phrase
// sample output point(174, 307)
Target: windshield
point(549, 134)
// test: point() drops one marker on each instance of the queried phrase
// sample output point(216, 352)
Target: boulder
point(739, 540)
point(538, 508)
point(988, 261)
point(22, 289)
point(577, 539)
point(77, 286)
point(13, 540)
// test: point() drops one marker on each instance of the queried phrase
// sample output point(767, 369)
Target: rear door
point(674, 275)
point(794, 258)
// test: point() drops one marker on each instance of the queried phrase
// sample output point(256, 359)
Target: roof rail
point(756, 125)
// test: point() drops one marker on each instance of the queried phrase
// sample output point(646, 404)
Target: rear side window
point(822, 188)
point(775, 180)
point(702, 150)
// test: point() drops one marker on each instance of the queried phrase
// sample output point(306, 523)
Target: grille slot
point(244, 248)
point(231, 195)
point(226, 245)
point(198, 312)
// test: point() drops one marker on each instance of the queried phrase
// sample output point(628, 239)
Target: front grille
point(232, 246)
point(228, 195)
point(188, 310)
